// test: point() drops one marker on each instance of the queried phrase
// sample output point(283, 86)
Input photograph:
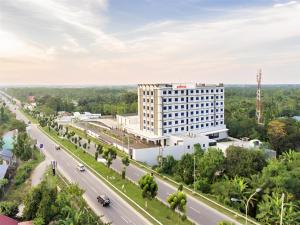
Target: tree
point(249, 162)
point(149, 186)
point(9, 209)
point(211, 164)
point(126, 162)
point(185, 168)
point(3, 182)
point(270, 208)
point(276, 134)
point(109, 154)
point(168, 165)
point(22, 147)
point(178, 201)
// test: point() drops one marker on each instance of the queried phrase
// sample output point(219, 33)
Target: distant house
point(5, 220)
point(3, 172)
point(6, 156)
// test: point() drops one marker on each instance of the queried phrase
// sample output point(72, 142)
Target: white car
point(81, 167)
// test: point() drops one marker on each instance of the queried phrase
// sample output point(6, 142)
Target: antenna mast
point(258, 97)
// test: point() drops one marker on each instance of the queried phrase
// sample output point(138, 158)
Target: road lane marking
point(195, 210)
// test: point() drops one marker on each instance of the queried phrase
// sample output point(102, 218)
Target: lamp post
point(281, 213)
point(247, 203)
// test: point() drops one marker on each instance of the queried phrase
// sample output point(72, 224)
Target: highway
point(119, 212)
point(197, 211)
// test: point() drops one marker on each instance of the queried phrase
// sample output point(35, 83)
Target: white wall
point(149, 155)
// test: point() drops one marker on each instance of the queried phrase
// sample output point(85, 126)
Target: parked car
point(103, 200)
point(81, 167)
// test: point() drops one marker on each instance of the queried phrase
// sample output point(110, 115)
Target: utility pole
point(194, 172)
point(258, 97)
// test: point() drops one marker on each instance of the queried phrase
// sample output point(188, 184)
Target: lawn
point(154, 207)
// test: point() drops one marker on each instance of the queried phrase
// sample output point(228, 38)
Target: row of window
point(191, 106)
point(190, 128)
point(202, 91)
point(187, 99)
point(190, 113)
point(191, 120)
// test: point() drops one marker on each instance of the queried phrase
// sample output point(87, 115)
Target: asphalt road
point(197, 211)
point(119, 212)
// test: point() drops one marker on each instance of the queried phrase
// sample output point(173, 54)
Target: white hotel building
point(178, 115)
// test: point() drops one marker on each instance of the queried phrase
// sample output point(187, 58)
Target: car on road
point(103, 200)
point(81, 167)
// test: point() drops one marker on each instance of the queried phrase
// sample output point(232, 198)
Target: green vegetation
point(279, 104)
point(239, 175)
point(8, 121)
point(45, 204)
point(107, 101)
point(154, 207)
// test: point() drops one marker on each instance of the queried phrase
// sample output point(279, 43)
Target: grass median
point(154, 207)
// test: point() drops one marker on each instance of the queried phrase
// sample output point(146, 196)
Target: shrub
point(9, 209)
point(23, 172)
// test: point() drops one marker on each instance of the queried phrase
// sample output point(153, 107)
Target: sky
point(115, 42)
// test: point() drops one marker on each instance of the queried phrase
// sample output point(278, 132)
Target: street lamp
point(247, 203)
point(281, 213)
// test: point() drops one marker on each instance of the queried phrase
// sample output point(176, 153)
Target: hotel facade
point(177, 116)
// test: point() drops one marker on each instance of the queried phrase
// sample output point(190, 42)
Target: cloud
point(68, 39)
